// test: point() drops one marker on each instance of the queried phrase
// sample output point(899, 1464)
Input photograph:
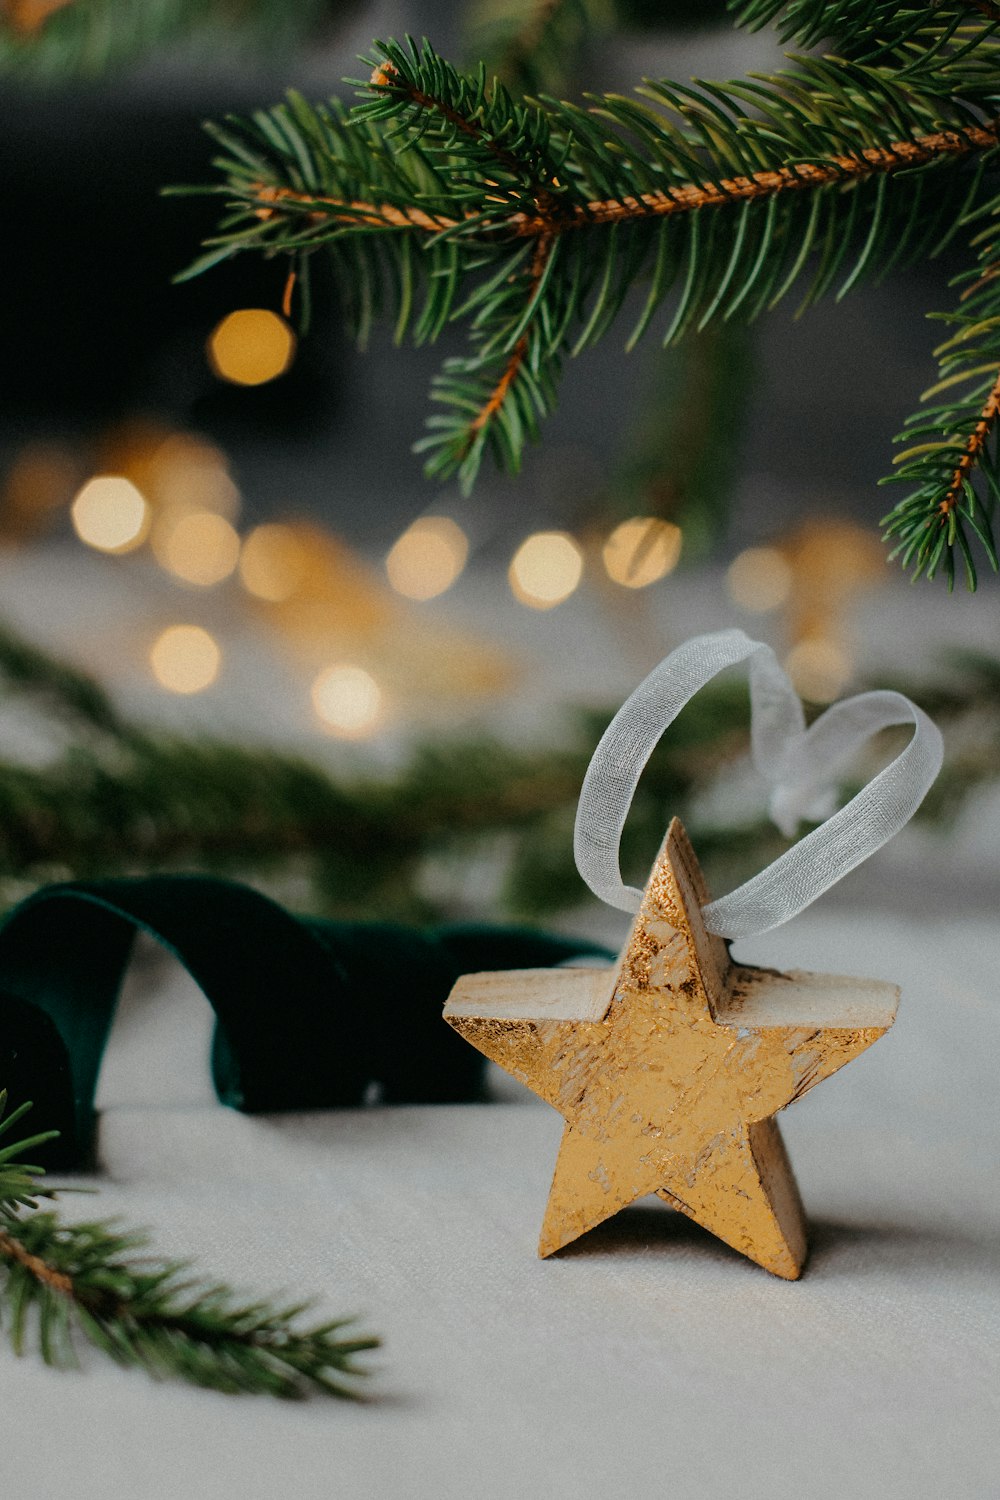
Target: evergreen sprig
point(60, 1281)
point(126, 800)
point(867, 27)
point(445, 197)
point(953, 442)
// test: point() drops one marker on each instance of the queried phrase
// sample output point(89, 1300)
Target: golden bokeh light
point(192, 474)
point(819, 669)
point(110, 514)
point(348, 700)
point(273, 562)
point(427, 558)
point(642, 551)
point(185, 659)
point(759, 580)
point(251, 346)
point(545, 569)
point(197, 546)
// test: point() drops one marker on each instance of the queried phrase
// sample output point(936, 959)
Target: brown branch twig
point(353, 212)
point(977, 440)
point(990, 274)
point(518, 354)
point(387, 77)
point(685, 198)
point(867, 162)
point(58, 1281)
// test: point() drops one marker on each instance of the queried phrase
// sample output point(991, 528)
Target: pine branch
point(867, 27)
point(443, 199)
point(66, 1280)
point(497, 400)
point(800, 176)
point(135, 802)
point(142, 803)
point(954, 443)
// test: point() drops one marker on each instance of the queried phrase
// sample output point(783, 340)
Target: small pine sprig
point(952, 445)
point(59, 1281)
point(870, 28)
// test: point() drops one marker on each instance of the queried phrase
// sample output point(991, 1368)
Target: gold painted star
point(669, 1074)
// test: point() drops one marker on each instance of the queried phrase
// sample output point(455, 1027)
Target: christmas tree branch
point(441, 197)
point(86, 1278)
point(133, 802)
point(974, 449)
point(952, 445)
point(859, 23)
point(901, 155)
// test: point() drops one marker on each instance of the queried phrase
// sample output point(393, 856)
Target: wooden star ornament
point(670, 1068)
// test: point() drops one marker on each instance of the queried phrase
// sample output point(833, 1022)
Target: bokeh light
point(251, 346)
point(642, 551)
point(273, 562)
point(185, 659)
point(545, 569)
point(819, 668)
point(427, 558)
point(189, 473)
point(110, 514)
point(759, 580)
point(197, 546)
point(348, 700)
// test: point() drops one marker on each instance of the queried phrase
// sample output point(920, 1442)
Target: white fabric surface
point(649, 1362)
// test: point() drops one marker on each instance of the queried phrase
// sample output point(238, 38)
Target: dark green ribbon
point(309, 1013)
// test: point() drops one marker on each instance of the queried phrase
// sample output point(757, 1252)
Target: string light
point(273, 563)
point(251, 346)
point(348, 700)
point(427, 558)
point(197, 546)
point(759, 580)
point(819, 669)
point(185, 659)
point(110, 514)
point(642, 551)
point(545, 569)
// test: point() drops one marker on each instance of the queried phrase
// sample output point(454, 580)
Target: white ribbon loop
point(800, 764)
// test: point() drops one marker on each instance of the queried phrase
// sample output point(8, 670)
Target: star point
point(668, 1069)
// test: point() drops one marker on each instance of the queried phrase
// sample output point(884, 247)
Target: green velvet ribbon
point(309, 1013)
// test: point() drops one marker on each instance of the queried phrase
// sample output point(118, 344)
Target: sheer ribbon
point(799, 764)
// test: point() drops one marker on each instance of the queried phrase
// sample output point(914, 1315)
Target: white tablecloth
point(649, 1361)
